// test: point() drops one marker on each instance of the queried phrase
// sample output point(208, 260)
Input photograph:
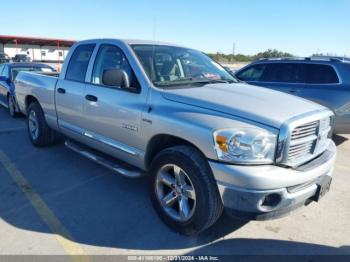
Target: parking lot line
point(62, 235)
point(10, 130)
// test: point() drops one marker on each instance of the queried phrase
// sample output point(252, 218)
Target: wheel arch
point(160, 142)
point(29, 100)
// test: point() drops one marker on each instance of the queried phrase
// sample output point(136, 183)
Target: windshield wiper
point(191, 81)
point(213, 81)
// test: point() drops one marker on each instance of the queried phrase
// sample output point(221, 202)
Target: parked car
point(4, 58)
point(207, 141)
point(8, 73)
point(325, 80)
point(21, 58)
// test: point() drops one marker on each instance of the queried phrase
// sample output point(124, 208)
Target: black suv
point(325, 80)
point(21, 59)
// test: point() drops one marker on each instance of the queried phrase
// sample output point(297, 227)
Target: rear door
point(70, 91)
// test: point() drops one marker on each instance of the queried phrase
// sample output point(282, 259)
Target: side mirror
point(116, 77)
point(4, 79)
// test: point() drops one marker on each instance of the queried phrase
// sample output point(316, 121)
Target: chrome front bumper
point(268, 191)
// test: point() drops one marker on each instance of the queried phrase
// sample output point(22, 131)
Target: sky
point(300, 27)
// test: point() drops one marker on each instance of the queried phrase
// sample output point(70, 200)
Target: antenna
point(154, 28)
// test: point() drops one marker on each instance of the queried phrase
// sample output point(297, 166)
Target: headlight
point(245, 145)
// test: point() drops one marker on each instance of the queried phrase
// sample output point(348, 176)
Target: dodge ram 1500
point(207, 141)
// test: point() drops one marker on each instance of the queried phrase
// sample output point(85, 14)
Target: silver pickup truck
point(206, 141)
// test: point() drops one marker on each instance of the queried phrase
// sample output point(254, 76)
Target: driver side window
point(111, 57)
point(252, 73)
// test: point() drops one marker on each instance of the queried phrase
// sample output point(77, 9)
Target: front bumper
point(267, 191)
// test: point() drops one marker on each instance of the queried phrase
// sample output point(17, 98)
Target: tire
point(11, 106)
point(207, 207)
point(43, 135)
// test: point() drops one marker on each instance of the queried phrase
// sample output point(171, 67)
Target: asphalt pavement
point(53, 201)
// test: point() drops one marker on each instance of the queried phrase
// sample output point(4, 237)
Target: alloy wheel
point(175, 192)
point(33, 125)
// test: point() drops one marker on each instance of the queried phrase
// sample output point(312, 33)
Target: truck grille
point(305, 139)
point(302, 140)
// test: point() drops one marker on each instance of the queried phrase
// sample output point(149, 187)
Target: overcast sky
point(300, 27)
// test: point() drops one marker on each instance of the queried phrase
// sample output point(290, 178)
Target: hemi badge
point(147, 120)
point(130, 127)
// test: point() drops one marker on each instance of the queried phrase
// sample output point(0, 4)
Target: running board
point(105, 160)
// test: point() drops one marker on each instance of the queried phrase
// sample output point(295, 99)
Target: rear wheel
point(184, 191)
point(11, 105)
point(39, 132)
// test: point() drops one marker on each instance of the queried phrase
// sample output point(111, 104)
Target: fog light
point(271, 200)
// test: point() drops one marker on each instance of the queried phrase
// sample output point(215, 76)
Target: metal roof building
point(38, 49)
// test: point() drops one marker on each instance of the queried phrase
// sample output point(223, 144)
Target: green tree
point(270, 53)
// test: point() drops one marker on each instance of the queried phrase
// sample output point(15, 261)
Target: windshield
point(45, 69)
point(170, 65)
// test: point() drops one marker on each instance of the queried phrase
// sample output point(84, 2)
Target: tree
point(270, 53)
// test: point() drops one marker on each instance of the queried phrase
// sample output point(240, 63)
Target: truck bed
point(40, 86)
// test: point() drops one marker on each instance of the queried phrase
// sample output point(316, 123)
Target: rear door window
point(283, 73)
point(252, 73)
point(320, 74)
point(79, 62)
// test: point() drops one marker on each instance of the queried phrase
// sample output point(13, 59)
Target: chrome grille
point(302, 141)
point(305, 130)
point(303, 138)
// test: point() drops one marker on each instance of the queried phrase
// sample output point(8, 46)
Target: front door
point(285, 77)
point(113, 113)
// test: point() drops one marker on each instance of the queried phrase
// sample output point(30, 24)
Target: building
point(46, 50)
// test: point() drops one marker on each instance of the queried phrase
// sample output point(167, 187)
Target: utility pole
point(233, 51)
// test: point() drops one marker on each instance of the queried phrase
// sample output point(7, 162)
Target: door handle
point(91, 98)
point(292, 91)
point(61, 90)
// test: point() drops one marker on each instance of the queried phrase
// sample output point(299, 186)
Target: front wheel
point(184, 191)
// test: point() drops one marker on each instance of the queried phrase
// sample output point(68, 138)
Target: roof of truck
point(146, 42)
point(132, 41)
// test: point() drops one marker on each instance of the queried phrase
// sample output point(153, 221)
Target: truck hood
point(257, 104)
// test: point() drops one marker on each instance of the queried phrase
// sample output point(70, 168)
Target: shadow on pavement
point(338, 139)
point(95, 205)
point(244, 246)
point(102, 209)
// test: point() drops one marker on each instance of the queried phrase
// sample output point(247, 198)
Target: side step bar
point(105, 160)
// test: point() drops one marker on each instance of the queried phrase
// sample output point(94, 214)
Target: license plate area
point(323, 186)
